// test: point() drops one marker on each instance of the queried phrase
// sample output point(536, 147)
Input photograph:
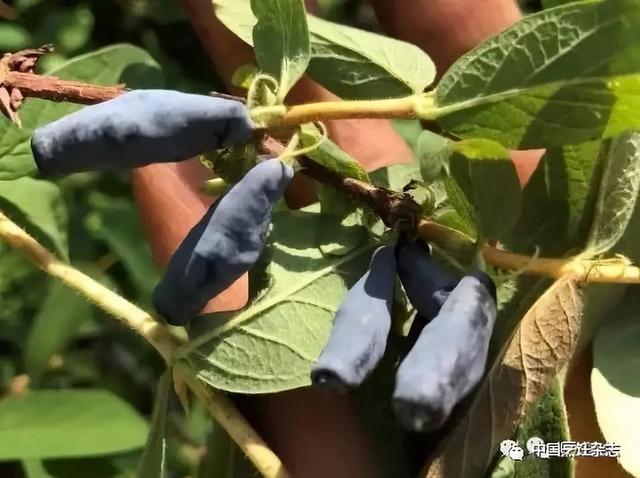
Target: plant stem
point(158, 335)
point(328, 110)
point(55, 89)
point(579, 268)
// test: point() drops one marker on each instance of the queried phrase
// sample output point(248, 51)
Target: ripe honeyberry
point(225, 244)
point(360, 328)
point(139, 128)
point(449, 357)
point(426, 283)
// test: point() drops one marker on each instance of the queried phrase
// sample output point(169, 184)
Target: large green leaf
point(68, 423)
point(340, 212)
point(559, 200)
point(54, 326)
point(105, 66)
point(281, 39)
point(485, 173)
point(271, 345)
point(38, 207)
point(619, 188)
point(562, 76)
point(153, 463)
point(615, 384)
point(358, 64)
point(350, 62)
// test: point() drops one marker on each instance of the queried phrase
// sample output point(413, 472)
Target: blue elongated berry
point(225, 244)
point(449, 357)
point(360, 328)
point(426, 283)
point(139, 128)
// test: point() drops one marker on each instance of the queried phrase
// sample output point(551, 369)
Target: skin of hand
point(315, 434)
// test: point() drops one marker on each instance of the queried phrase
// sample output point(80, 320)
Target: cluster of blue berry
point(455, 318)
point(449, 335)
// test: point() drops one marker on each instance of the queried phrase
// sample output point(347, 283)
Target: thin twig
point(55, 89)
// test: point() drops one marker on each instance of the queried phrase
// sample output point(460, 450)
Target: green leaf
point(281, 39)
point(431, 152)
point(270, 346)
point(56, 323)
point(342, 227)
point(561, 76)
point(38, 207)
point(619, 188)
point(614, 379)
point(68, 423)
point(153, 463)
point(485, 173)
point(559, 200)
point(396, 177)
point(459, 213)
point(410, 130)
point(342, 223)
point(352, 63)
point(331, 156)
point(105, 66)
point(357, 64)
point(115, 221)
